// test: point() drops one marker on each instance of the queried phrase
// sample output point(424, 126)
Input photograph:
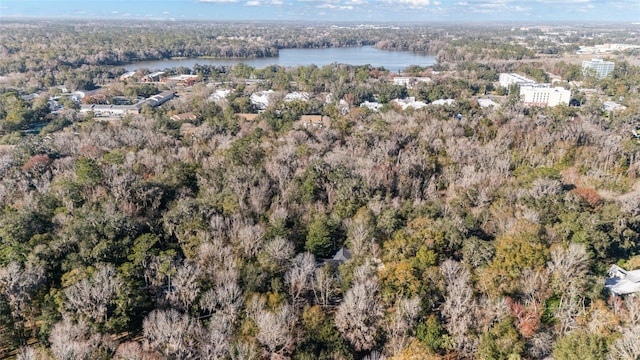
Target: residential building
point(600, 67)
point(371, 105)
point(544, 95)
point(153, 77)
point(261, 99)
point(485, 103)
point(159, 99)
point(444, 102)
point(409, 82)
point(610, 106)
point(315, 121)
point(181, 80)
point(409, 102)
point(508, 79)
point(127, 75)
point(189, 116)
point(110, 110)
point(303, 96)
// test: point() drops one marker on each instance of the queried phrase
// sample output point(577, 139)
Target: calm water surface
point(390, 60)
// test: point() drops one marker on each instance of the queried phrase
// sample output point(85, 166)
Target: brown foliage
point(590, 196)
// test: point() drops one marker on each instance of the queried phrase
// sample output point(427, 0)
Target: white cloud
point(264, 3)
point(165, 12)
point(218, 1)
point(331, 6)
point(357, 2)
point(415, 3)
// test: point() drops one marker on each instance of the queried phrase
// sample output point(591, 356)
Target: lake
point(391, 60)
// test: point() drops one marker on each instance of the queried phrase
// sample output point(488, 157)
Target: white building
point(610, 106)
point(442, 102)
point(485, 103)
point(600, 67)
point(621, 281)
point(508, 79)
point(375, 106)
point(220, 94)
point(303, 96)
point(261, 99)
point(409, 82)
point(544, 95)
point(409, 102)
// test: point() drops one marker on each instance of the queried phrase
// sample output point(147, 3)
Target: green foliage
point(501, 342)
point(321, 238)
point(524, 248)
point(432, 333)
point(247, 150)
point(580, 345)
point(321, 338)
point(88, 172)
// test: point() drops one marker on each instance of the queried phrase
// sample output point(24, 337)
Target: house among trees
point(621, 281)
point(153, 77)
point(189, 116)
point(315, 121)
point(181, 80)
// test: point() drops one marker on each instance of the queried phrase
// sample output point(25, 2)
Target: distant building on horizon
point(600, 67)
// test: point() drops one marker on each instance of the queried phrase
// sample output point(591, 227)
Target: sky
point(397, 11)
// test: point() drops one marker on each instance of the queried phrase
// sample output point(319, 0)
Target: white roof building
point(261, 99)
point(296, 96)
point(621, 281)
point(443, 102)
point(409, 102)
point(544, 95)
point(600, 67)
point(508, 79)
point(485, 103)
point(220, 94)
point(375, 106)
point(613, 106)
point(409, 81)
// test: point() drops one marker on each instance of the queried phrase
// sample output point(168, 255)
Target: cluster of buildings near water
point(530, 93)
point(536, 94)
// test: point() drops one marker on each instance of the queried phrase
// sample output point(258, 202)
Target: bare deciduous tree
point(324, 283)
point(299, 277)
point(400, 323)
point(132, 350)
point(19, 285)
point(626, 347)
point(569, 267)
point(359, 314)
point(278, 251)
point(459, 303)
point(359, 239)
point(250, 239)
point(171, 333)
point(184, 287)
point(276, 331)
point(92, 296)
point(216, 338)
point(77, 341)
point(244, 351)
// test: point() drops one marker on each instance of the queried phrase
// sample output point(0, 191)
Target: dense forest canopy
point(450, 231)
